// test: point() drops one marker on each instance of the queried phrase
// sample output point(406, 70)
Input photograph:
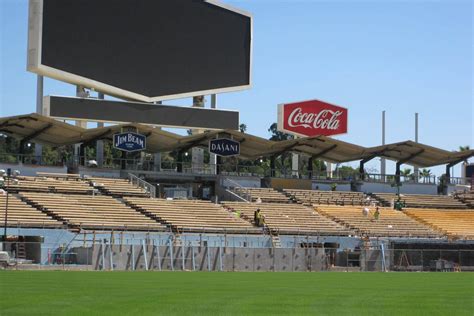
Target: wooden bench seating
point(117, 187)
point(88, 211)
point(391, 223)
point(20, 214)
point(291, 218)
point(265, 194)
point(59, 175)
point(454, 223)
point(44, 184)
point(329, 197)
point(466, 197)
point(188, 214)
point(423, 200)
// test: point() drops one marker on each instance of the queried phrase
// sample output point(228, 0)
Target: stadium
point(129, 204)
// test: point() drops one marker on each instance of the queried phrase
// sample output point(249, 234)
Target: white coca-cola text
point(325, 119)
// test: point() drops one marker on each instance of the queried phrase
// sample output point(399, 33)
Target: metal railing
point(381, 178)
point(148, 164)
point(243, 193)
point(148, 187)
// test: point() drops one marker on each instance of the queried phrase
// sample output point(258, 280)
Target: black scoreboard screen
point(142, 49)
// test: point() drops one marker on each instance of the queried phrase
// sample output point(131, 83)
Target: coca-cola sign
point(312, 118)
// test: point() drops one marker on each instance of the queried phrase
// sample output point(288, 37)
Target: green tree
point(243, 128)
point(406, 172)
point(278, 135)
point(464, 148)
point(425, 172)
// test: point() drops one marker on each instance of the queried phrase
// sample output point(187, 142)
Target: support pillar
point(21, 151)
point(39, 110)
point(123, 161)
point(99, 147)
point(197, 154)
point(361, 170)
point(157, 161)
point(295, 165)
point(218, 164)
point(82, 154)
point(397, 172)
point(80, 93)
point(329, 169)
point(272, 166)
point(416, 171)
point(383, 163)
point(179, 166)
point(213, 160)
point(310, 167)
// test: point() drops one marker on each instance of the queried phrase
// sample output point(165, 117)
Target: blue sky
point(399, 56)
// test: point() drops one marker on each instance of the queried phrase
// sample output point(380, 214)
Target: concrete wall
point(407, 188)
point(325, 186)
point(179, 258)
point(284, 183)
point(248, 182)
point(96, 172)
point(30, 170)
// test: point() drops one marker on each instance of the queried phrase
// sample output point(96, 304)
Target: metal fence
point(229, 168)
point(169, 256)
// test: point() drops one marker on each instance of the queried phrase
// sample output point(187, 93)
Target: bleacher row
point(460, 201)
point(60, 201)
point(329, 197)
point(73, 184)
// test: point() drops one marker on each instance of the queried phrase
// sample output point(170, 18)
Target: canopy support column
point(218, 164)
point(197, 153)
point(39, 110)
point(272, 166)
point(397, 172)
point(123, 161)
point(310, 167)
point(179, 166)
point(99, 146)
point(361, 165)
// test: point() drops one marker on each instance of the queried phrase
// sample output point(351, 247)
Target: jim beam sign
point(129, 141)
point(224, 147)
point(312, 118)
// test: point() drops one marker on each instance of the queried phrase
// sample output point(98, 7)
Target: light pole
point(8, 174)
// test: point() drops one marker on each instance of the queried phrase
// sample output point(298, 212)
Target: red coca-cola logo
point(312, 118)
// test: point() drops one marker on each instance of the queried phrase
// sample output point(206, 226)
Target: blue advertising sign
point(224, 147)
point(130, 141)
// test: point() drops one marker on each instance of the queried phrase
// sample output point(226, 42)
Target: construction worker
point(365, 211)
point(256, 217)
point(377, 214)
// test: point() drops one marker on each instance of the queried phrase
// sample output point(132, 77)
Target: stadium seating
point(190, 214)
point(50, 184)
point(329, 197)
point(391, 223)
point(453, 223)
point(291, 218)
point(20, 214)
point(117, 187)
point(422, 200)
point(265, 194)
point(92, 212)
point(466, 197)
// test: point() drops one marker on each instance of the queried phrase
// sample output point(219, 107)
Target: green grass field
point(201, 293)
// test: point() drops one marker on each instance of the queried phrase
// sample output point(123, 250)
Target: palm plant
point(425, 173)
point(464, 148)
point(406, 172)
